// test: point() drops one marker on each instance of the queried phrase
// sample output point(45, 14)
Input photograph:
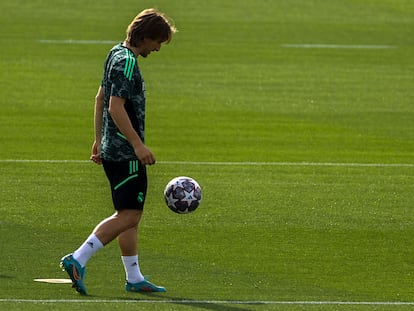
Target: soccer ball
point(182, 195)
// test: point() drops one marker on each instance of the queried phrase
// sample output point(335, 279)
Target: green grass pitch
point(295, 116)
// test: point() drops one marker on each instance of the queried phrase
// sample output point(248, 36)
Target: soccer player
point(120, 147)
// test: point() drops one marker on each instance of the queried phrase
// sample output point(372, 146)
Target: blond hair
point(150, 24)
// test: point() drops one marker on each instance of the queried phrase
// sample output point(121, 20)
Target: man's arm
point(98, 120)
point(123, 123)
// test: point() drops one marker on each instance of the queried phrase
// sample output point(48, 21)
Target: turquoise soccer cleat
point(75, 272)
point(144, 287)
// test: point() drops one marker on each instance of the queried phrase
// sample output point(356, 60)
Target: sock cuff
point(94, 239)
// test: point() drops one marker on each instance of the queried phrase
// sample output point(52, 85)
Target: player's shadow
point(206, 305)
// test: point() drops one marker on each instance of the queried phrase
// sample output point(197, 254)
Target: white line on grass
point(247, 163)
point(41, 161)
point(292, 164)
point(337, 46)
point(287, 45)
point(189, 302)
point(70, 41)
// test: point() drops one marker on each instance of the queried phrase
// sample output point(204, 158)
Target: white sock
point(87, 249)
point(132, 271)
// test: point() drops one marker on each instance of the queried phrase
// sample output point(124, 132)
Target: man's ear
point(138, 42)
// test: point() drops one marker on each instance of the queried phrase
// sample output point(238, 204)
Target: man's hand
point(96, 153)
point(145, 155)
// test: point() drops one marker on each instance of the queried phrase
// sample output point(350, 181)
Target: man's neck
point(135, 50)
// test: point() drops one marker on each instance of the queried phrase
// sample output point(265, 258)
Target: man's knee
point(130, 218)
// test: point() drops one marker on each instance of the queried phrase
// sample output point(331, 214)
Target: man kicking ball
point(120, 147)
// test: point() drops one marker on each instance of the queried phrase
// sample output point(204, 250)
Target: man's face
point(148, 46)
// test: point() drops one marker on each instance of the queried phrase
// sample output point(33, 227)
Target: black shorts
point(128, 180)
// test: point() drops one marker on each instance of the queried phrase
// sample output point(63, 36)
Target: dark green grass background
point(225, 90)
